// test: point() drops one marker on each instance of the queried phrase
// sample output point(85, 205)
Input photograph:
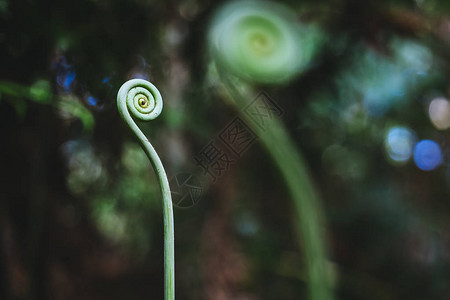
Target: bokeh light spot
point(427, 155)
point(65, 79)
point(92, 101)
point(439, 112)
point(399, 144)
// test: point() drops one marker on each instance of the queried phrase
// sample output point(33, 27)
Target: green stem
point(144, 101)
point(307, 203)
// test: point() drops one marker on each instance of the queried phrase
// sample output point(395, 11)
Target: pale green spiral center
point(143, 101)
point(261, 44)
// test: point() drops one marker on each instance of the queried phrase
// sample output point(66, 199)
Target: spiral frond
point(140, 98)
point(261, 41)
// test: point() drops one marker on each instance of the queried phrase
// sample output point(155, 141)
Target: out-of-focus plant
point(40, 92)
point(260, 42)
point(387, 81)
point(142, 100)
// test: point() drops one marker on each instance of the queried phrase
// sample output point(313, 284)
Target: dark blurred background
point(80, 208)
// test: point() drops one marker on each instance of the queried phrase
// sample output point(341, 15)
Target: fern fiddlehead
point(262, 42)
point(140, 99)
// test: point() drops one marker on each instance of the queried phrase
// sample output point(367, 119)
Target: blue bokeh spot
point(427, 155)
point(65, 79)
point(400, 143)
point(92, 101)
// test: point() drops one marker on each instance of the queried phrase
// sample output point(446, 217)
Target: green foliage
point(80, 211)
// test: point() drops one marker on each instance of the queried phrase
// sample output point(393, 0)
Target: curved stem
point(292, 166)
point(169, 237)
